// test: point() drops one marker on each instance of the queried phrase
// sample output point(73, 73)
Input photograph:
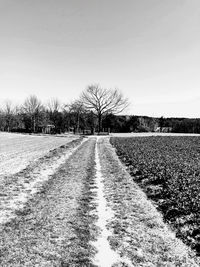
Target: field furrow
point(167, 169)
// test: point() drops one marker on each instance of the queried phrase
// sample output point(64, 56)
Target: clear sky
point(149, 49)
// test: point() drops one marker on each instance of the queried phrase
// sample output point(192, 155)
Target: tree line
point(89, 113)
point(96, 110)
point(180, 125)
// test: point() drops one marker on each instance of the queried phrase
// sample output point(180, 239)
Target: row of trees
point(91, 111)
point(95, 110)
point(180, 125)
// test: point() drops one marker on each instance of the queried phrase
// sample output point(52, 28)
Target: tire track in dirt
point(105, 256)
point(55, 228)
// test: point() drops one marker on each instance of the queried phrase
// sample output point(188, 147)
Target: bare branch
point(32, 105)
point(103, 101)
point(53, 105)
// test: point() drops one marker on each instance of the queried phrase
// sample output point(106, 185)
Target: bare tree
point(2, 121)
point(32, 106)
point(54, 105)
point(54, 109)
point(8, 114)
point(103, 101)
point(77, 109)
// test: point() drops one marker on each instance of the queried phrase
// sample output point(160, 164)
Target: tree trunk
point(78, 123)
point(99, 122)
point(34, 126)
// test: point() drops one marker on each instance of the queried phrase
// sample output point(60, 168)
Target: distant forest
point(54, 118)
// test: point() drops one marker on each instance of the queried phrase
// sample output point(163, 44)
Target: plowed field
point(168, 170)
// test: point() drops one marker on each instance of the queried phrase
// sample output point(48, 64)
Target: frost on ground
point(105, 256)
point(18, 150)
point(138, 230)
point(17, 189)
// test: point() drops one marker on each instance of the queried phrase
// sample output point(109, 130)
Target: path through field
point(90, 213)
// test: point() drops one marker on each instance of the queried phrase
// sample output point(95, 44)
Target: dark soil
point(167, 169)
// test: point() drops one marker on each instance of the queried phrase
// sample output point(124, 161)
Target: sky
point(148, 49)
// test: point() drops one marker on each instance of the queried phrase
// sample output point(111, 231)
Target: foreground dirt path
point(54, 228)
point(90, 203)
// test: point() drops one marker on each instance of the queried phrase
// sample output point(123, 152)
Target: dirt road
point(88, 203)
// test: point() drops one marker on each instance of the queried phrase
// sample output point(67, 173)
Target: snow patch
point(105, 257)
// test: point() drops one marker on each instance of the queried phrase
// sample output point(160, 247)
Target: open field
point(168, 169)
point(75, 205)
point(18, 150)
